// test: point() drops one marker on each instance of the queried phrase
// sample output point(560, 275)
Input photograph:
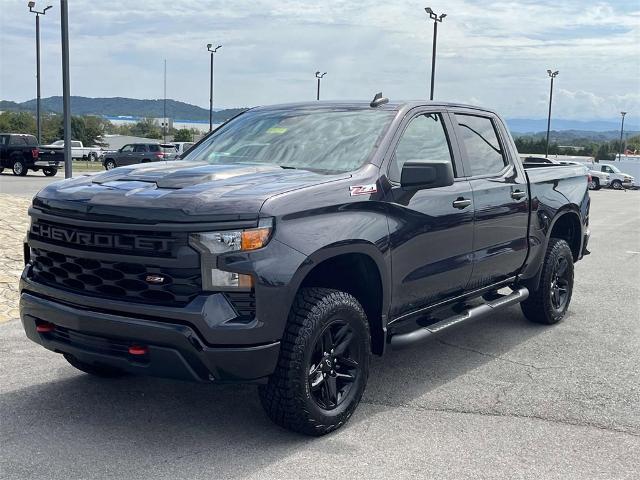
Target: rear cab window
point(479, 137)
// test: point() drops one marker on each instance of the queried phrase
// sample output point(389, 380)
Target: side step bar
point(407, 339)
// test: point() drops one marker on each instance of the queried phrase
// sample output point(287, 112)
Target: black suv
point(133, 153)
point(296, 240)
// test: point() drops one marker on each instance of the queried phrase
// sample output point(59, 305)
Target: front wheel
point(617, 185)
point(548, 304)
point(323, 366)
point(110, 164)
point(50, 171)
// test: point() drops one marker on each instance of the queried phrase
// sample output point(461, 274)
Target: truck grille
point(116, 280)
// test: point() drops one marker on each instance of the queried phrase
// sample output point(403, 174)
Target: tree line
point(603, 150)
point(87, 129)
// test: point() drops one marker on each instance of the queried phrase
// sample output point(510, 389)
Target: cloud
point(494, 53)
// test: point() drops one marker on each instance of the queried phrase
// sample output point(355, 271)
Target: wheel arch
point(358, 270)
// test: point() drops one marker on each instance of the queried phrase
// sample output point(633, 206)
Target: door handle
point(517, 194)
point(461, 203)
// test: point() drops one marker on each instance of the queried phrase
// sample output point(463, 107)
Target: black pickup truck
point(294, 242)
point(21, 153)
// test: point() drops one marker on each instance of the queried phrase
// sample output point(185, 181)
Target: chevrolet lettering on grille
point(102, 240)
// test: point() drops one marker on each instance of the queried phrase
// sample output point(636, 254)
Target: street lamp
point(319, 77)
point(213, 51)
point(31, 6)
point(621, 133)
point(436, 19)
point(553, 75)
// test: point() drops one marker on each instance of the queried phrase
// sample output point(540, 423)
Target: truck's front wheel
point(549, 302)
point(324, 363)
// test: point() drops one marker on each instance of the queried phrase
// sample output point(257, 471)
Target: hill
point(120, 106)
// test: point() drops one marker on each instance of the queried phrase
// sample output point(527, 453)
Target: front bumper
point(174, 350)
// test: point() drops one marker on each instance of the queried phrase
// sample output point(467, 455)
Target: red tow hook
point(138, 350)
point(45, 327)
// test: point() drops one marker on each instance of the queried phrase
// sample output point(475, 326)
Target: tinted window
point(152, 148)
point(4, 139)
point(127, 148)
point(423, 140)
point(481, 142)
point(139, 148)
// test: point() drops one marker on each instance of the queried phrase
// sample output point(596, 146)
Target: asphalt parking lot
point(500, 398)
point(30, 184)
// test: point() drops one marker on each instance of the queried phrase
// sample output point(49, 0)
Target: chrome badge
point(363, 189)
point(154, 279)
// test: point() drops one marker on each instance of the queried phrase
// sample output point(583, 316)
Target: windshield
point(325, 140)
point(615, 169)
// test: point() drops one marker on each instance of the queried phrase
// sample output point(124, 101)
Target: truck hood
point(175, 191)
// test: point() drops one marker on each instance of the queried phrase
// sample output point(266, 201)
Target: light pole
point(31, 6)
point(436, 19)
point(319, 77)
point(66, 88)
point(621, 134)
point(213, 51)
point(553, 75)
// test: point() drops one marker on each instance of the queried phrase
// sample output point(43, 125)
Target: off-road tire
point(287, 397)
point(539, 306)
point(103, 371)
point(49, 171)
point(19, 168)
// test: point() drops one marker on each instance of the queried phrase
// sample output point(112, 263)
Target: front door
point(431, 230)
point(125, 156)
point(500, 197)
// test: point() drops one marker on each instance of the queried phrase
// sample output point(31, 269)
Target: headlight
point(212, 244)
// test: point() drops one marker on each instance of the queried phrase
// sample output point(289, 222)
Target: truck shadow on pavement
point(146, 422)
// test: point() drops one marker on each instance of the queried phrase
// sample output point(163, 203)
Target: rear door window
point(480, 140)
point(139, 149)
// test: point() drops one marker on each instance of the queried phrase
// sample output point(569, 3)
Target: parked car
point(170, 151)
point(346, 229)
point(78, 150)
point(183, 147)
point(619, 180)
point(21, 153)
point(133, 153)
point(597, 178)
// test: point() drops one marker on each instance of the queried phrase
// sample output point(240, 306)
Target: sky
point(491, 53)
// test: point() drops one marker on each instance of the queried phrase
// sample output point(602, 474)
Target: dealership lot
point(500, 398)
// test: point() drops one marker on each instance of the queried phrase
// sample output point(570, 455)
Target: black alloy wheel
point(334, 365)
point(559, 290)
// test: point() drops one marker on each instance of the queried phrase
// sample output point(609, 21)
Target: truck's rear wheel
point(324, 363)
point(549, 302)
point(19, 168)
point(96, 370)
point(50, 171)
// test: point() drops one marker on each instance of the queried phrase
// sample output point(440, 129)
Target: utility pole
point(31, 6)
point(553, 75)
point(436, 19)
point(621, 150)
point(213, 51)
point(319, 77)
point(66, 96)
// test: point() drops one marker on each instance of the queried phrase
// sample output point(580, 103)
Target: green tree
point(183, 135)
point(148, 128)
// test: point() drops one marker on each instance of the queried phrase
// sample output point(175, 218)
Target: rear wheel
point(50, 171)
point(93, 369)
point(548, 304)
point(93, 156)
point(19, 168)
point(324, 363)
point(594, 184)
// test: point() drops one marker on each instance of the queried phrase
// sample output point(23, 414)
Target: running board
point(407, 339)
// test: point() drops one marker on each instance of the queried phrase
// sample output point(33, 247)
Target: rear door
point(500, 197)
point(431, 230)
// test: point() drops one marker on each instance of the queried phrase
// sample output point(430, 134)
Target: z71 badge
point(363, 189)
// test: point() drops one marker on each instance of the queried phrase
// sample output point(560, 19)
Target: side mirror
point(418, 175)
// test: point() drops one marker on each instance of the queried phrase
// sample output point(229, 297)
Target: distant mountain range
point(120, 106)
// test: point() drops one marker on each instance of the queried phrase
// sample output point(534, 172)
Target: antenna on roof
point(378, 100)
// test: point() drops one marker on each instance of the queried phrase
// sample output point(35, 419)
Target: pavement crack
point(503, 415)
point(497, 357)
